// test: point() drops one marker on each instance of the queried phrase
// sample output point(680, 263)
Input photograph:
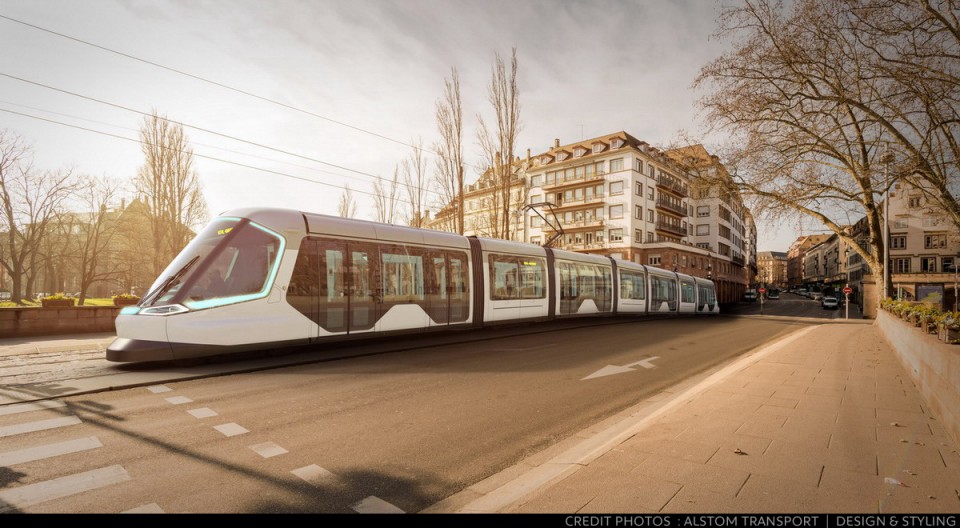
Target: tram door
point(333, 286)
point(361, 283)
point(458, 284)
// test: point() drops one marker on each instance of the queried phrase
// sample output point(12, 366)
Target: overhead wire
point(213, 132)
point(219, 84)
point(204, 156)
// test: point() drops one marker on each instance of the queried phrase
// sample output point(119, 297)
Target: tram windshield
point(231, 260)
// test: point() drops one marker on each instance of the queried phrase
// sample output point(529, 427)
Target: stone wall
point(934, 367)
point(17, 322)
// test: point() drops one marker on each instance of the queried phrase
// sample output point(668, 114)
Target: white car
point(830, 303)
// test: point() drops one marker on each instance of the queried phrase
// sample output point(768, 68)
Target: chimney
point(528, 154)
point(556, 143)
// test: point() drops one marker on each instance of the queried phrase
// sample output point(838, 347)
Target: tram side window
point(632, 286)
point(663, 290)
point(516, 277)
point(605, 288)
point(687, 292)
point(707, 295)
point(402, 274)
point(333, 288)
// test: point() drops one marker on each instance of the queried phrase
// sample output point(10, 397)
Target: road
point(382, 432)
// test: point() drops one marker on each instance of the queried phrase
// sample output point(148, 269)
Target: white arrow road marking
point(610, 370)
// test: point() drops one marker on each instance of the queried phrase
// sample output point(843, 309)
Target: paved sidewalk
point(824, 421)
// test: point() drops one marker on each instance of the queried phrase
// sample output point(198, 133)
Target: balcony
point(581, 246)
point(672, 185)
point(563, 183)
point(738, 260)
point(594, 223)
point(675, 229)
point(564, 205)
point(672, 207)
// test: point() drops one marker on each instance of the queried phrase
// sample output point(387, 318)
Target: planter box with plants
point(125, 300)
point(57, 301)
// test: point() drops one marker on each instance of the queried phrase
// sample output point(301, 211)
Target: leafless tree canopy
point(498, 144)
point(170, 187)
point(347, 207)
point(386, 198)
point(94, 243)
point(814, 96)
point(449, 162)
point(416, 184)
point(31, 202)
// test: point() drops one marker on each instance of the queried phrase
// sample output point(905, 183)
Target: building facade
point(772, 269)
point(924, 250)
point(616, 195)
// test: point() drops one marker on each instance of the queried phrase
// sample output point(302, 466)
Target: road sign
point(763, 290)
point(848, 290)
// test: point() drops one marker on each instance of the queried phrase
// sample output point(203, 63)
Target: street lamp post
point(955, 268)
point(886, 159)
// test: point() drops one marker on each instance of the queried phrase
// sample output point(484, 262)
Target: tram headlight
point(168, 309)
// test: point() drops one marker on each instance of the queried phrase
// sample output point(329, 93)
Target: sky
point(286, 102)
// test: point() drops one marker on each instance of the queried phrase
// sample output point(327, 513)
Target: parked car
point(830, 303)
point(750, 295)
point(774, 294)
point(816, 296)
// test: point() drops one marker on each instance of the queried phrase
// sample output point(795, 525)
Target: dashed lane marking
point(50, 450)
point(153, 507)
point(30, 427)
point(375, 505)
point(202, 412)
point(157, 389)
point(48, 490)
point(178, 400)
point(268, 449)
point(32, 406)
point(313, 474)
point(231, 429)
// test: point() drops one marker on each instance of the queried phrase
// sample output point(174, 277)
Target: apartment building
point(924, 249)
point(483, 214)
point(772, 268)
point(796, 268)
point(616, 195)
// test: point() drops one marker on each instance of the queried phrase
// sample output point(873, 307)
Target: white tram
point(263, 278)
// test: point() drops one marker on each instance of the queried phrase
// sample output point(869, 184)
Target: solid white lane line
point(202, 412)
point(178, 400)
point(153, 507)
point(29, 427)
point(375, 505)
point(157, 389)
point(268, 449)
point(32, 406)
point(48, 490)
point(50, 450)
point(230, 429)
point(313, 474)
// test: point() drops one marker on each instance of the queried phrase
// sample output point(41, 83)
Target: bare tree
point(498, 144)
point(911, 53)
point(347, 207)
point(449, 163)
point(415, 182)
point(30, 202)
point(169, 187)
point(96, 230)
point(802, 108)
point(385, 200)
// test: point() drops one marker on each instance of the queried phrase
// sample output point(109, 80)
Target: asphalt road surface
point(383, 432)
